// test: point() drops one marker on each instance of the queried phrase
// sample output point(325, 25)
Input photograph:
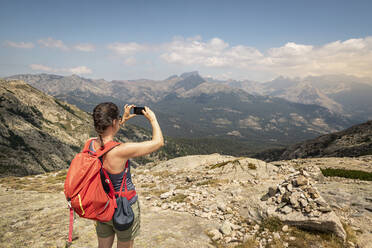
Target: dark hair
point(103, 115)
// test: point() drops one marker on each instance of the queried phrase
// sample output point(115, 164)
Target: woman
point(107, 123)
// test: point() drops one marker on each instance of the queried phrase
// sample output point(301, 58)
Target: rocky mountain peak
point(189, 81)
point(188, 74)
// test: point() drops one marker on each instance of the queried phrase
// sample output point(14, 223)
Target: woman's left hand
point(127, 115)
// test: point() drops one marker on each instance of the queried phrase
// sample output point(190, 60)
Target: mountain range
point(191, 107)
point(347, 95)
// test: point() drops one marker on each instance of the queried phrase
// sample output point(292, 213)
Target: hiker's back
point(112, 162)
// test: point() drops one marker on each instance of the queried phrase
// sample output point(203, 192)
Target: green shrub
point(252, 166)
point(353, 174)
point(274, 224)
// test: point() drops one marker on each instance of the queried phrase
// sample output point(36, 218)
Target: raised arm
point(137, 149)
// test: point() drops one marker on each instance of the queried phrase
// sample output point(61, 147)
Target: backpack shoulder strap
point(100, 152)
point(108, 146)
point(87, 143)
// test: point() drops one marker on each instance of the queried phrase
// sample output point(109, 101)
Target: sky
point(253, 40)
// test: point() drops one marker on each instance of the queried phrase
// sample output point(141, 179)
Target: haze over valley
point(253, 115)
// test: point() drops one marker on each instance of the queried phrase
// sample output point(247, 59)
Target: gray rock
point(325, 209)
point(286, 197)
point(166, 195)
point(282, 204)
point(265, 197)
point(286, 210)
point(247, 237)
point(294, 199)
point(215, 234)
point(321, 202)
point(326, 222)
point(289, 187)
point(226, 228)
point(285, 228)
point(272, 191)
point(282, 190)
point(301, 180)
point(189, 179)
point(303, 202)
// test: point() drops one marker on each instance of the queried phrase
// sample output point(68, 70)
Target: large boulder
point(296, 202)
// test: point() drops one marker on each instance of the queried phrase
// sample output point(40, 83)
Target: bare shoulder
point(136, 149)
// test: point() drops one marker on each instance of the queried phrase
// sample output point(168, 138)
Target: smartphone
point(138, 110)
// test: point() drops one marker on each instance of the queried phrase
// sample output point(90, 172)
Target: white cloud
point(84, 47)
point(130, 61)
point(353, 56)
point(74, 70)
point(290, 49)
point(25, 45)
point(79, 70)
point(38, 67)
point(50, 42)
point(213, 53)
point(126, 48)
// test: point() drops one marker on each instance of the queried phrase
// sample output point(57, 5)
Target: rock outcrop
point(297, 202)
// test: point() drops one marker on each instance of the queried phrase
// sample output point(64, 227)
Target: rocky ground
point(208, 201)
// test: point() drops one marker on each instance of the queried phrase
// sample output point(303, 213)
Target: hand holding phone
point(147, 112)
point(138, 110)
point(126, 116)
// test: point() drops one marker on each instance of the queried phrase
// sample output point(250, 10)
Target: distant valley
point(347, 95)
point(198, 111)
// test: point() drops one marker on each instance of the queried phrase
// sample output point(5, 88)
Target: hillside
point(40, 133)
point(189, 107)
point(351, 142)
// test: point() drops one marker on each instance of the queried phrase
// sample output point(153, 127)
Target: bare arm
point(137, 149)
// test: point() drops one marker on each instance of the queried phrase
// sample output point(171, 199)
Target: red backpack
point(83, 187)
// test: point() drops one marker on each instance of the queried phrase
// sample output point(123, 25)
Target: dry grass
point(148, 185)
point(274, 224)
point(179, 186)
point(214, 166)
point(214, 243)
point(314, 239)
point(250, 243)
point(162, 174)
point(350, 233)
point(47, 183)
point(178, 198)
point(212, 182)
point(157, 192)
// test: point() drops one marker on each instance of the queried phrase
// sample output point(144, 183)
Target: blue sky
point(255, 40)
